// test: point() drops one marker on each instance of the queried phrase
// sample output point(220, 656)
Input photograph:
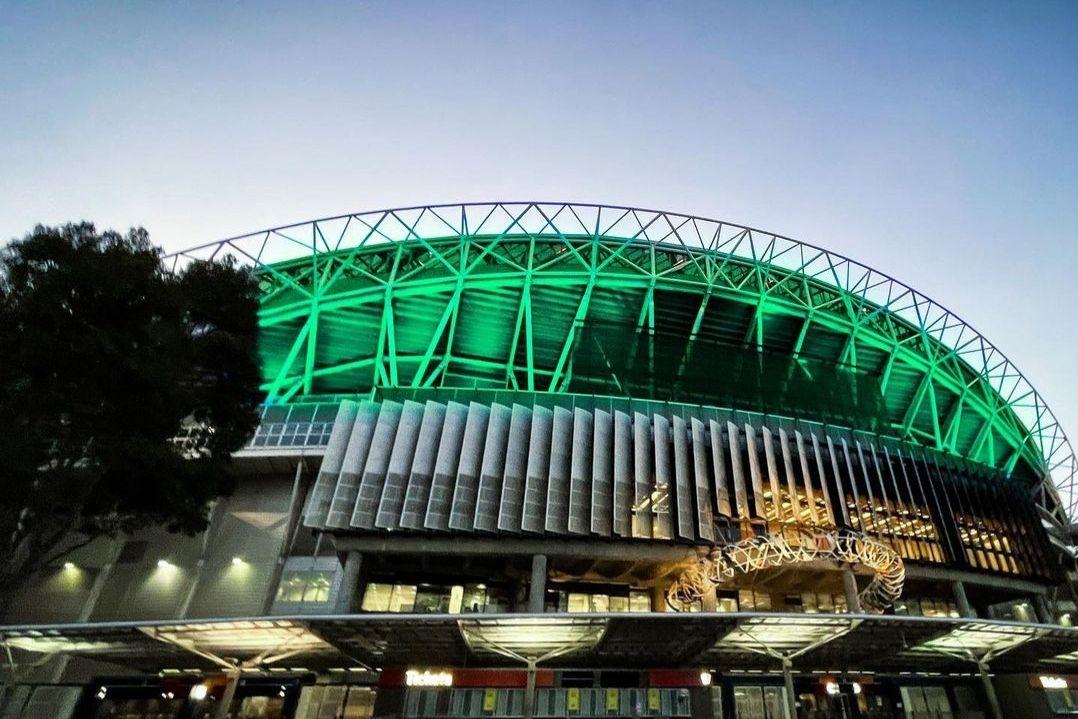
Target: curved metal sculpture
point(776, 550)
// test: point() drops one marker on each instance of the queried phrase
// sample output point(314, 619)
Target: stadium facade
point(554, 460)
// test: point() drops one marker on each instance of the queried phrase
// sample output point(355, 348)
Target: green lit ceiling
point(616, 301)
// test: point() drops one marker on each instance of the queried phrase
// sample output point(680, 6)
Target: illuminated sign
point(427, 678)
point(1053, 682)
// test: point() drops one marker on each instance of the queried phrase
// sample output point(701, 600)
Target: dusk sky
point(936, 142)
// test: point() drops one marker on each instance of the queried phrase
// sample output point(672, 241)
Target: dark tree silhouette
point(104, 357)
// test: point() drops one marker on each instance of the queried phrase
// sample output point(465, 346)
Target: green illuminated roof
point(567, 298)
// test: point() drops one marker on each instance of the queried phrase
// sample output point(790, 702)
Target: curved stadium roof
point(593, 299)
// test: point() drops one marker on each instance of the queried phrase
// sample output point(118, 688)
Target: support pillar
point(537, 588)
point(961, 601)
point(233, 681)
point(849, 586)
point(658, 598)
point(1044, 613)
point(709, 602)
point(994, 709)
point(529, 692)
point(788, 678)
point(346, 594)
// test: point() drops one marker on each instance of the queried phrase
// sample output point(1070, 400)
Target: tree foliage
point(104, 356)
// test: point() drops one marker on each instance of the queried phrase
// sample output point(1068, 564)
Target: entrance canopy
point(744, 641)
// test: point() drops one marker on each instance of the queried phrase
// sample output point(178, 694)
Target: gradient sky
point(936, 142)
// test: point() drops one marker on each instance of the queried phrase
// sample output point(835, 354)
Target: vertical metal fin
point(391, 506)
point(493, 469)
point(561, 457)
point(418, 493)
point(664, 478)
point(754, 471)
point(316, 512)
point(580, 473)
point(718, 460)
point(623, 475)
point(376, 466)
point(643, 474)
point(738, 472)
point(701, 481)
point(445, 466)
point(602, 474)
point(535, 484)
point(351, 467)
point(462, 516)
point(516, 469)
point(772, 475)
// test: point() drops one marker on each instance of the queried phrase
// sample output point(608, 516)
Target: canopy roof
point(570, 298)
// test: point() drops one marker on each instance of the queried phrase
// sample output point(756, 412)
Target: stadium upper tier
point(588, 299)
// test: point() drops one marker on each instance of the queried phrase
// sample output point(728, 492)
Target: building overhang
point(716, 641)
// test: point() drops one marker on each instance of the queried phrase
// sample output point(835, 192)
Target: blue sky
point(935, 142)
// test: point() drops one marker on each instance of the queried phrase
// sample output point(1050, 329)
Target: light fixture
point(856, 688)
point(705, 678)
point(163, 564)
point(831, 688)
point(236, 561)
point(1053, 682)
point(199, 692)
point(102, 692)
point(68, 566)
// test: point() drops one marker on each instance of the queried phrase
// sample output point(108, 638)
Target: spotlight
point(163, 564)
point(199, 692)
point(68, 566)
point(831, 688)
point(237, 561)
point(705, 678)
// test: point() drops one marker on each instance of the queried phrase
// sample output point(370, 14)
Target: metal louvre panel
point(718, 462)
point(841, 499)
point(317, 509)
point(374, 472)
point(462, 516)
point(516, 469)
point(490, 477)
point(602, 474)
point(683, 480)
point(561, 456)
point(702, 480)
point(802, 459)
point(391, 505)
point(664, 478)
point(772, 473)
point(754, 470)
point(791, 478)
point(445, 466)
point(422, 472)
point(643, 471)
point(580, 473)
point(535, 484)
point(623, 475)
point(738, 472)
point(355, 457)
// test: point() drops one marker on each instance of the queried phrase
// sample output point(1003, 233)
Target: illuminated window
point(305, 586)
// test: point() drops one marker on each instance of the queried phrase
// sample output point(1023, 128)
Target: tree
point(104, 356)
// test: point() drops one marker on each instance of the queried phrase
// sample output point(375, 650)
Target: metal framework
point(777, 550)
point(503, 293)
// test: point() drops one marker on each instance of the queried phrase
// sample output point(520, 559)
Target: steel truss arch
point(329, 270)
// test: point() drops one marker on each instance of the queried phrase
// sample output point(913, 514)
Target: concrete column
point(658, 599)
point(529, 692)
point(849, 586)
point(537, 588)
point(961, 601)
point(346, 595)
point(994, 709)
point(791, 698)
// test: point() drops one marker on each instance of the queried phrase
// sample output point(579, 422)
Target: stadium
point(537, 460)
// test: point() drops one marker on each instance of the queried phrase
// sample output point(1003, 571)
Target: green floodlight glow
point(571, 298)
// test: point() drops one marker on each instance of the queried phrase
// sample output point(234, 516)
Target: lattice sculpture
point(776, 550)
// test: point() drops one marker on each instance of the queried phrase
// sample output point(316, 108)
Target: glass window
point(305, 586)
point(1062, 701)
point(639, 601)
